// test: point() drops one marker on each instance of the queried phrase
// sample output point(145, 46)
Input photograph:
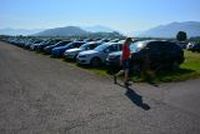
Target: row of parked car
point(159, 54)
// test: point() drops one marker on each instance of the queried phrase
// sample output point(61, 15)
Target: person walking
point(125, 62)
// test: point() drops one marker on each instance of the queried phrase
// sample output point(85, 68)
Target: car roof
point(152, 41)
point(78, 42)
point(112, 43)
point(92, 42)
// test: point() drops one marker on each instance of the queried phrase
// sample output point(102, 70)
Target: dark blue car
point(59, 51)
point(49, 48)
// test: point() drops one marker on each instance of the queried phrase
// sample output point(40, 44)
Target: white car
point(190, 45)
point(98, 56)
point(72, 53)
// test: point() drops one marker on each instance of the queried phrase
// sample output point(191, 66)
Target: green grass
point(192, 61)
point(190, 69)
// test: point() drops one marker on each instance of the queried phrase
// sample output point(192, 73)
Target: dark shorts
point(126, 64)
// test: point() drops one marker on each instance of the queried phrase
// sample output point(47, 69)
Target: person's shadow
point(136, 98)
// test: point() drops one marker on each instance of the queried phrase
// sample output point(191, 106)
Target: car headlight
point(72, 54)
point(83, 56)
point(66, 53)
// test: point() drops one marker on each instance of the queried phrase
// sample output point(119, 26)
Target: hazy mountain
point(98, 28)
point(63, 31)
point(11, 31)
point(170, 30)
point(134, 33)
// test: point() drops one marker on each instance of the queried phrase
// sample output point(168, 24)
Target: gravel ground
point(41, 95)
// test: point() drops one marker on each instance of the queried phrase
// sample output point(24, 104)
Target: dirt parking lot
point(42, 95)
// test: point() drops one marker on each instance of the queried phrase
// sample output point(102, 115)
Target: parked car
point(30, 42)
point(48, 49)
point(42, 45)
point(104, 40)
point(35, 42)
point(98, 56)
point(195, 48)
point(115, 40)
point(113, 59)
point(160, 55)
point(59, 51)
point(189, 45)
point(20, 42)
point(72, 53)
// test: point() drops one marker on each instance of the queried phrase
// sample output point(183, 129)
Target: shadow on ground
point(136, 98)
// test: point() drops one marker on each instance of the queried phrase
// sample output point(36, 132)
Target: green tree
point(181, 36)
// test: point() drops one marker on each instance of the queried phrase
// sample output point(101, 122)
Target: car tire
point(74, 59)
point(95, 62)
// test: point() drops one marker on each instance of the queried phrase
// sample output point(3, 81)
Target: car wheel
point(95, 62)
point(74, 59)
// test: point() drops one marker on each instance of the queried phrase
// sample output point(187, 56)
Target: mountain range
point(63, 31)
point(98, 28)
point(11, 31)
point(192, 29)
point(60, 31)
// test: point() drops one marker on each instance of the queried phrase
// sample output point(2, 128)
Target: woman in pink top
point(125, 61)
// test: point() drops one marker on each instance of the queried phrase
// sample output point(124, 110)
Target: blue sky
point(123, 15)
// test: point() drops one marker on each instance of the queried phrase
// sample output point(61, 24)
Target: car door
point(79, 44)
point(154, 50)
point(108, 50)
point(76, 45)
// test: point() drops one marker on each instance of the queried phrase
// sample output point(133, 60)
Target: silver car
point(98, 56)
point(72, 53)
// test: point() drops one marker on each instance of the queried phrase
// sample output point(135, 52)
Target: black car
point(159, 54)
point(31, 41)
point(41, 46)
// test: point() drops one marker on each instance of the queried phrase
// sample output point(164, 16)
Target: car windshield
point(58, 43)
point(88, 46)
point(45, 41)
point(84, 46)
point(70, 44)
point(101, 47)
point(137, 46)
point(74, 44)
point(38, 41)
point(62, 42)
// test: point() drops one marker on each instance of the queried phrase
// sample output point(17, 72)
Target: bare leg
point(118, 74)
point(126, 75)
